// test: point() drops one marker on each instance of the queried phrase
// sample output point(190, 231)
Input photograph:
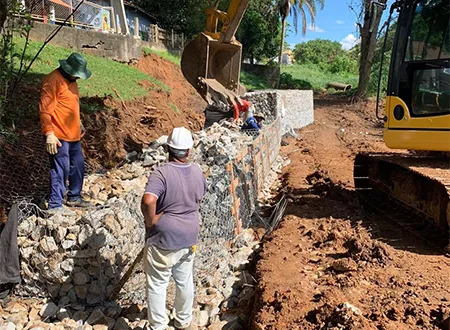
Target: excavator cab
point(211, 62)
point(416, 118)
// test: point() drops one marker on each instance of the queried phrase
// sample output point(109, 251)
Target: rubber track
point(435, 172)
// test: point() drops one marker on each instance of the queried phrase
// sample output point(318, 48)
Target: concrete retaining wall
point(294, 107)
point(114, 46)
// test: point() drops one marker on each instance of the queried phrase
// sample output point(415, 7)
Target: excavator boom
point(211, 62)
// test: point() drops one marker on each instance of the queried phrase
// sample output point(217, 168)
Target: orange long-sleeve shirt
point(59, 107)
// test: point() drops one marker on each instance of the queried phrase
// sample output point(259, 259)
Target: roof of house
point(132, 5)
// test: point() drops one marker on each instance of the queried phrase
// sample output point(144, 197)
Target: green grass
point(317, 78)
point(107, 75)
point(174, 108)
point(164, 54)
point(309, 74)
point(252, 81)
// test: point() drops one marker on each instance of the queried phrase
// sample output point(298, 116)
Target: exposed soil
point(115, 128)
point(128, 125)
point(332, 265)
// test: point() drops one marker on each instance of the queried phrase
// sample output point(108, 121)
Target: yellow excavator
point(417, 118)
point(211, 62)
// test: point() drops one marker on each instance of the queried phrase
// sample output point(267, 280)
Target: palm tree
point(294, 7)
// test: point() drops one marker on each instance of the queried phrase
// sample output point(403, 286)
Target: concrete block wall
point(294, 107)
point(122, 48)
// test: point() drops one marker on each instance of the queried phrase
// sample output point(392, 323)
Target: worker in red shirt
point(235, 108)
point(59, 111)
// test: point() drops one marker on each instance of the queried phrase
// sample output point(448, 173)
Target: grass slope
point(174, 58)
point(106, 74)
point(317, 78)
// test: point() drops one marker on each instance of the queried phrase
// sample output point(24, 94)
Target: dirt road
point(332, 265)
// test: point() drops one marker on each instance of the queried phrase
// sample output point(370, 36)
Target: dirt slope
point(331, 265)
point(131, 124)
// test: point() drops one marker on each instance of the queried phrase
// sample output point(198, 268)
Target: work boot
point(62, 210)
point(78, 202)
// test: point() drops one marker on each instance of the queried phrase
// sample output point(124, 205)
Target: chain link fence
point(88, 16)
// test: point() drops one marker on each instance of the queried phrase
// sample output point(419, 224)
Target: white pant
point(159, 265)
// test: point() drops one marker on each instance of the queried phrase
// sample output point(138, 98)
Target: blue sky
point(335, 22)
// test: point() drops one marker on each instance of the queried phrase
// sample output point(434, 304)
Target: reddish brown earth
point(131, 124)
point(115, 128)
point(331, 265)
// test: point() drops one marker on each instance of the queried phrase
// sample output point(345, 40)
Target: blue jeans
point(66, 165)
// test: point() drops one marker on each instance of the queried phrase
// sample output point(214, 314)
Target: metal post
point(173, 40)
point(182, 40)
point(44, 13)
point(71, 20)
point(136, 27)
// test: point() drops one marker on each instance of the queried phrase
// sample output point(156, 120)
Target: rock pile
point(223, 297)
point(79, 259)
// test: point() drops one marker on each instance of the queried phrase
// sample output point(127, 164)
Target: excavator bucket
point(207, 60)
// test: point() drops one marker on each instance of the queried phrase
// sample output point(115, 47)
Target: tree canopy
point(259, 32)
point(187, 16)
point(327, 55)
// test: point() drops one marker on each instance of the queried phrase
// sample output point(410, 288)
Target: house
point(108, 16)
point(144, 20)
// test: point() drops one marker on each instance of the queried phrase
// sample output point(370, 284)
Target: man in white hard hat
point(170, 207)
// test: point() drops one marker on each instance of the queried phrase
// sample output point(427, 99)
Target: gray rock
point(62, 314)
point(85, 235)
point(81, 278)
point(80, 316)
point(8, 326)
point(96, 317)
point(202, 318)
point(67, 265)
point(81, 291)
point(132, 156)
point(48, 310)
point(68, 244)
point(48, 246)
point(122, 324)
point(60, 234)
point(26, 227)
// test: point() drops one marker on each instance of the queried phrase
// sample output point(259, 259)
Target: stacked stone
point(223, 298)
point(81, 258)
point(267, 102)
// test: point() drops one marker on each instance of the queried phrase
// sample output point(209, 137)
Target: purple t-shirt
point(179, 188)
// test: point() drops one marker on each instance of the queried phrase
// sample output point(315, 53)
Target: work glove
point(82, 130)
point(52, 144)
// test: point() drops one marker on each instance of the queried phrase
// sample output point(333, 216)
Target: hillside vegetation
point(107, 75)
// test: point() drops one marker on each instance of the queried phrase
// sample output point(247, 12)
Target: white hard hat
point(180, 138)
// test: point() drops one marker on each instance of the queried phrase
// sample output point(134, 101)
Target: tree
point(3, 13)
point(368, 29)
point(327, 55)
point(187, 16)
point(257, 34)
point(294, 7)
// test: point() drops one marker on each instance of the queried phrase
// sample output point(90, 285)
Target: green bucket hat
point(76, 66)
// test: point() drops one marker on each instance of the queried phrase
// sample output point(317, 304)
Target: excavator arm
point(211, 62)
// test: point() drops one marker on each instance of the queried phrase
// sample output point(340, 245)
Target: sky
point(335, 22)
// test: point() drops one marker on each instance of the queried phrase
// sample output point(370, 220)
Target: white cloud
point(349, 41)
point(340, 22)
point(314, 28)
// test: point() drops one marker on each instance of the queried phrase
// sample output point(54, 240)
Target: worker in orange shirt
point(59, 110)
